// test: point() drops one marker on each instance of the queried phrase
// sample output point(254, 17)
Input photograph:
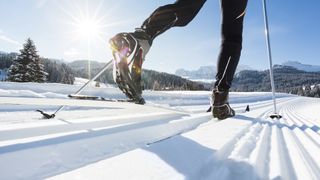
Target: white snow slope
point(171, 137)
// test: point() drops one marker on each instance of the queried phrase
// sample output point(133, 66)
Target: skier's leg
point(233, 12)
point(130, 49)
point(178, 14)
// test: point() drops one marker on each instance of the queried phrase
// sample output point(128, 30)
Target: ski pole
point(48, 116)
point(275, 115)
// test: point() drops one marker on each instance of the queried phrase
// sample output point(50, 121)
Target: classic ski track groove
point(293, 135)
point(266, 136)
point(260, 155)
point(275, 148)
point(251, 135)
point(305, 129)
point(304, 120)
point(306, 157)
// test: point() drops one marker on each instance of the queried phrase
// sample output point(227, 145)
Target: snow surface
point(171, 137)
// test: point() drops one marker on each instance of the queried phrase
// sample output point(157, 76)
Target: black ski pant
point(183, 11)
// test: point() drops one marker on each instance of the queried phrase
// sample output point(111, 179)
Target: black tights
point(183, 11)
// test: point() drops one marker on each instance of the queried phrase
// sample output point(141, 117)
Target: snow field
point(169, 138)
point(247, 153)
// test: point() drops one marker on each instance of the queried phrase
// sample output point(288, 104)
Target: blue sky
point(55, 26)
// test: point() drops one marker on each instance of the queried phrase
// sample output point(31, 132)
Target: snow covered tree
point(317, 91)
point(27, 67)
point(37, 71)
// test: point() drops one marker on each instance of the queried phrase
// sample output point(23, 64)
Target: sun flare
point(86, 22)
point(88, 28)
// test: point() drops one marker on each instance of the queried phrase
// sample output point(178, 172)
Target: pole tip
point(277, 116)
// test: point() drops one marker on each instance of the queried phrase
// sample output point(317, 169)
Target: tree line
point(287, 79)
point(28, 66)
point(150, 79)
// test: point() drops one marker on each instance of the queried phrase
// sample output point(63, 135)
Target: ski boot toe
point(220, 106)
point(222, 112)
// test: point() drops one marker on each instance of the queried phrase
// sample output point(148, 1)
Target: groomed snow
point(171, 137)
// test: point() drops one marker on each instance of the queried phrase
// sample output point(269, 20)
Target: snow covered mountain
point(205, 73)
point(302, 67)
point(171, 137)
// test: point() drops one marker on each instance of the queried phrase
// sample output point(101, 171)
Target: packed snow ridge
point(171, 137)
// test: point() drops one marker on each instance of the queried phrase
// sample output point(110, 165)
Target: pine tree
point(37, 71)
point(27, 67)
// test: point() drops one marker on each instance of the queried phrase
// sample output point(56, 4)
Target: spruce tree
point(27, 67)
point(37, 71)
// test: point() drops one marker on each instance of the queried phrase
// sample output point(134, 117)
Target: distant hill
point(83, 64)
point(151, 79)
point(302, 67)
point(287, 79)
point(58, 71)
point(80, 68)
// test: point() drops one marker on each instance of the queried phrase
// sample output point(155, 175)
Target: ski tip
point(45, 115)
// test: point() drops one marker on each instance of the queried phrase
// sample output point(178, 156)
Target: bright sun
point(88, 28)
point(86, 21)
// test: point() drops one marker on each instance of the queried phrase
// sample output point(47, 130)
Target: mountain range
point(205, 73)
point(302, 67)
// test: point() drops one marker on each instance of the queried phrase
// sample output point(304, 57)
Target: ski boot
point(129, 51)
point(220, 106)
